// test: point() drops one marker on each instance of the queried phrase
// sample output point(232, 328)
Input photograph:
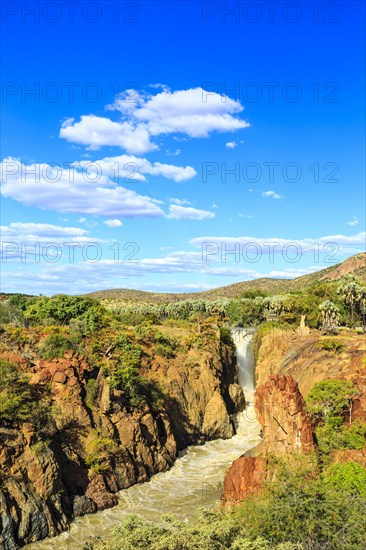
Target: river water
point(194, 481)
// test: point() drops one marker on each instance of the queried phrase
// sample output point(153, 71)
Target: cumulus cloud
point(193, 112)
point(130, 167)
point(72, 190)
point(95, 131)
point(354, 221)
point(231, 144)
point(113, 223)
point(178, 212)
point(272, 195)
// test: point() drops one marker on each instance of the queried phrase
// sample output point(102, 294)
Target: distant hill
point(355, 265)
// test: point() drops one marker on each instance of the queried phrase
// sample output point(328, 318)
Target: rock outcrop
point(280, 409)
point(285, 352)
point(286, 430)
point(44, 484)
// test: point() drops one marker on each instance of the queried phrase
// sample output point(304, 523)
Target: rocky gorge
point(47, 482)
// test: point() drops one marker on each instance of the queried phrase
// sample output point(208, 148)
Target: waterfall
point(242, 338)
point(195, 480)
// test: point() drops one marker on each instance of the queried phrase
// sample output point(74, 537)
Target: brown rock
point(245, 477)
point(99, 492)
point(286, 429)
point(280, 409)
point(60, 377)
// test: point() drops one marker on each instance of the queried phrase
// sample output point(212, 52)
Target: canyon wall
point(94, 450)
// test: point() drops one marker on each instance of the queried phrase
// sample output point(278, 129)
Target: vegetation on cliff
point(330, 406)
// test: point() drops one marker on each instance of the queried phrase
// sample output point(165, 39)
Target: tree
point(351, 293)
point(331, 316)
point(330, 398)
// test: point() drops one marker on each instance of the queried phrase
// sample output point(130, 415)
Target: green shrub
point(99, 453)
point(330, 398)
point(61, 309)
point(91, 393)
point(334, 435)
point(348, 478)
point(20, 402)
point(330, 344)
point(55, 346)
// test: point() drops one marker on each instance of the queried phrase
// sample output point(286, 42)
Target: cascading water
point(194, 481)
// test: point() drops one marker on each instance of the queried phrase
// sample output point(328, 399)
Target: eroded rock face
point(245, 477)
point(286, 429)
point(43, 486)
point(280, 410)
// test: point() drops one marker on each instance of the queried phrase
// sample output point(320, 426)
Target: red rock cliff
point(286, 429)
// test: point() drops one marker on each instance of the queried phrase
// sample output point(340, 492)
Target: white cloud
point(70, 190)
point(95, 132)
point(82, 220)
point(188, 213)
point(179, 201)
point(134, 168)
point(354, 221)
point(193, 112)
point(272, 195)
point(231, 144)
point(25, 241)
point(113, 223)
point(42, 232)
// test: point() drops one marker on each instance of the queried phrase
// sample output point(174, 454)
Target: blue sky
point(142, 142)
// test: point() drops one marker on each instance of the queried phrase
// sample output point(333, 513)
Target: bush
point(91, 393)
point(334, 435)
point(61, 309)
point(330, 398)
point(330, 344)
point(348, 478)
point(55, 346)
point(20, 402)
point(99, 453)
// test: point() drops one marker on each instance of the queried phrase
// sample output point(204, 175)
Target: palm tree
point(351, 293)
point(331, 317)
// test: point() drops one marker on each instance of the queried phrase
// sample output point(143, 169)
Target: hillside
point(355, 265)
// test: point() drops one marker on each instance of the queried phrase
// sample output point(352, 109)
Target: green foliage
point(245, 312)
point(255, 293)
point(331, 316)
point(99, 453)
point(61, 309)
point(182, 309)
point(330, 398)
point(329, 404)
point(151, 336)
point(352, 294)
point(55, 346)
point(212, 530)
point(91, 393)
point(20, 402)
point(330, 344)
point(334, 435)
point(348, 478)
